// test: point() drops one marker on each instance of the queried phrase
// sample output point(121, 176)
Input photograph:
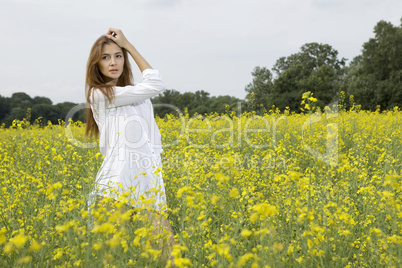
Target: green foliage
point(41, 100)
point(4, 107)
point(172, 101)
point(168, 102)
point(315, 68)
point(64, 107)
point(21, 105)
point(260, 90)
point(46, 111)
point(375, 77)
point(372, 79)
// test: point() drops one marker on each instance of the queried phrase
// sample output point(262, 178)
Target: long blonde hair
point(95, 79)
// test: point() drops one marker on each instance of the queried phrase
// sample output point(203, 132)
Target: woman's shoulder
point(126, 86)
point(96, 95)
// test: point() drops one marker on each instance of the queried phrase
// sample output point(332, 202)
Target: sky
point(195, 44)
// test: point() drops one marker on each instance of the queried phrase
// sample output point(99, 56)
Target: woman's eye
point(105, 57)
point(119, 56)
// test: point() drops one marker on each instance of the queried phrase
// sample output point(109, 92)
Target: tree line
point(20, 105)
point(372, 79)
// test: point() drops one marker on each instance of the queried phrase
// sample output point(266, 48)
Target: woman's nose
point(112, 61)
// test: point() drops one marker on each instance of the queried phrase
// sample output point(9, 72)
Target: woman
point(122, 114)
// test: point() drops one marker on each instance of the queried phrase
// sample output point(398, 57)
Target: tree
point(63, 108)
point(14, 107)
point(41, 100)
point(17, 106)
point(4, 107)
point(375, 77)
point(20, 99)
point(18, 113)
point(315, 68)
point(219, 104)
point(166, 102)
point(259, 90)
point(199, 102)
point(47, 112)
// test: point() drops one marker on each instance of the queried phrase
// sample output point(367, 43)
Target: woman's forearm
point(138, 58)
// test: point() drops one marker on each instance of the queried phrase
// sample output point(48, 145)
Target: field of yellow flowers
point(243, 190)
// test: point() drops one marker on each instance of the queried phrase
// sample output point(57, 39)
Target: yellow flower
point(222, 177)
point(19, 240)
point(246, 233)
point(2, 236)
point(310, 243)
point(35, 246)
point(185, 189)
point(244, 259)
point(104, 228)
point(376, 231)
point(278, 246)
point(306, 95)
point(182, 262)
point(265, 210)
point(214, 199)
point(97, 246)
point(9, 248)
point(234, 193)
point(114, 241)
point(25, 259)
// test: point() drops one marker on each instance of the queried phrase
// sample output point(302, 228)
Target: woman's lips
point(113, 71)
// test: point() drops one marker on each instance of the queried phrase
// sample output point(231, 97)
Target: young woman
point(122, 115)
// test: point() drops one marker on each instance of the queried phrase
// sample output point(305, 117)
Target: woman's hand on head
point(118, 37)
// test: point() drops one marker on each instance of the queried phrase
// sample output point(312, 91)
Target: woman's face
point(111, 63)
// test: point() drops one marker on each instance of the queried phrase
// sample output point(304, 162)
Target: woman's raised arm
point(151, 85)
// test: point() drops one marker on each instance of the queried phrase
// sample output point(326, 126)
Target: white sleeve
point(97, 103)
point(150, 86)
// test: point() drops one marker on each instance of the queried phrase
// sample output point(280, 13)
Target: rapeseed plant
point(243, 191)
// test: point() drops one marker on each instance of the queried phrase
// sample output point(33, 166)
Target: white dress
point(130, 142)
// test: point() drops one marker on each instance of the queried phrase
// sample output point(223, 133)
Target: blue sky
point(196, 45)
